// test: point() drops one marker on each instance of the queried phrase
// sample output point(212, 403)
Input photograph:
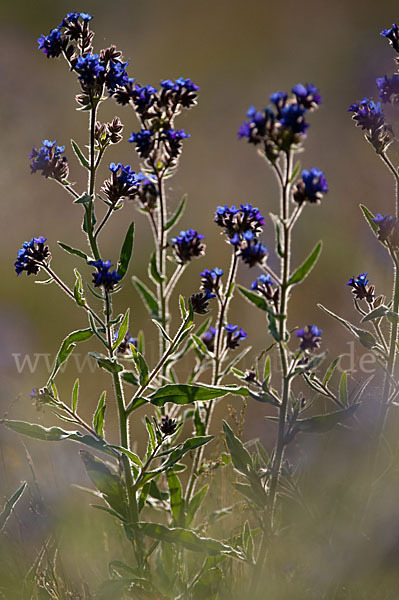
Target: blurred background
point(238, 53)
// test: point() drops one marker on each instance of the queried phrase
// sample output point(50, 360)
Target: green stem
point(89, 208)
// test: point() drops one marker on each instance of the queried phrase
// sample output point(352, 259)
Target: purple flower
point(144, 141)
point(89, 68)
point(178, 91)
point(360, 289)
point(208, 337)
point(233, 336)
point(388, 229)
point(307, 95)
point(116, 76)
point(49, 160)
point(104, 277)
point(310, 337)
point(311, 186)
point(253, 253)
point(369, 116)
point(31, 256)
point(393, 36)
point(389, 88)
point(188, 245)
point(264, 284)
point(51, 44)
point(211, 279)
point(124, 183)
point(237, 221)
point(292, 117)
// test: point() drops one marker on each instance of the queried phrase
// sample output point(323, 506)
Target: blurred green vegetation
point(238, 52)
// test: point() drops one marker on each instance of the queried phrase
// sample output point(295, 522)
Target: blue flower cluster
point(388, 88)
point(124, 346)
point(311, 186)
point(32, 256)
point(208, 337)
point(360, 289)
point(310, 337)
point(124, 183)
point(264, 284)
point(200, 301)
point(211, 279)
point(53, 44)
point(369, 116)
point(242, 226)
point(144, 141)
point(188, 245)
point(388, 229)
point(89, 68)
point(233, 336)
point(49, 160)
point(282, 125)
point(104, 277)
point(392, 35)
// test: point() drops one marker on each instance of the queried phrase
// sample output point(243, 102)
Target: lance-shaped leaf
point(78, 290)
point(377, 313)
point(277, 226)
point(10, 504)
point(195, 504)
point(177, 453)
point(141, 365)
point(181, 393)
point(81, 157)
point(122, 330)
point(188, 539)
point(106, 481)
point(239, 454)
point(174, 220)
point(369, 218)
point(148, 297)
point(56, 434)
point(98, 418)
point(304, 270)
point(177, 503)
point(153, 270)
point(365, 337)
point(67, 348)
point(323, 423)
point(259, 301)
point(84, 199)
point(126, 252)
point(74, 251)
point(106, 363)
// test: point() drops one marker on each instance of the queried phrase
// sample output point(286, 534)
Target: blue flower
point(307, 95)
point(124, 183)
point(311, 186)
point(116, 76)
point(124, 346)
point(89, 68)
point(51, 44)
point(360, 289)
point(253, 253)
point(188, 245)
point(211, 279)
point(144, 142)
point(179, 91)
point(278, 99)
point(369, 116)
point(31, 256)
point(393, 36)
point(200, 301)
point(237, 221)
point(143, 97)
point(259, 124)
point(292, 117)
point(73, 17)
point(264, 284)
point(388, 228)
point(388, 87)
point(174, 138)
point(234, 335)
point(208, 337)
point(310, 337)
point(104, 277)
point(49, 160)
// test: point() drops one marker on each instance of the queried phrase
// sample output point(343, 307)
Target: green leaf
point(259, 301)
point(126, 252)
point(295, 171)
point(239, 454)
point(369, 218)
point(141, 365)
point(177, 503)
point(67, 347)
point(277, 227)
point(136, 404)
point(152, 438)
point(247, 541)
point(106, 363)
point(130, 377)
point(177, 453)
point(176, 217)
point(365, 337)
point(153, 270)
point(78, 289)
point(131, 455)
point(343, 389)
point(98, 418)
point(331, 369)
point(162, 330)
point(10, 504)
point(323, 423)
point(82, 159)
point(56, 434)
point(122, 330)
point(377, 313)
point(84, 199)
point(304, 270)
point(273, 326)
point(106, 482)
point(188, 539)
point(148, 297)
point(195, 504)
point(267, 371)
point(200, 428)
point(75, 396)
point(181, 393)
point(74, 251)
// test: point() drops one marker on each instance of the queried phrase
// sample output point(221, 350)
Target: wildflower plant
point(168, 476)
